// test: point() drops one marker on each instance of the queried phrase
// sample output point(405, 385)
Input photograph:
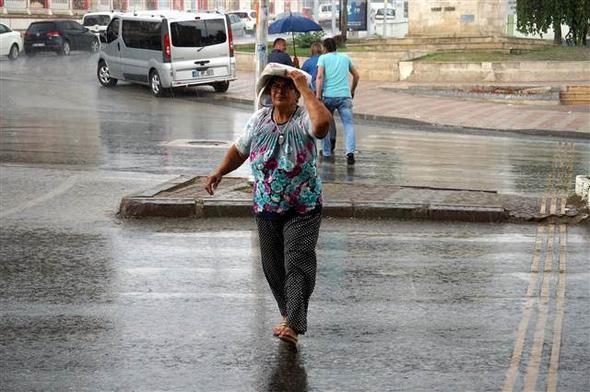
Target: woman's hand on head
point(210, 183)
point(299, 80)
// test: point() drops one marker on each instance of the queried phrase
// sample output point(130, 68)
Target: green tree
point(537, 16)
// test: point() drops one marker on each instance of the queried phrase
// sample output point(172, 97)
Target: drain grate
point(201, 143)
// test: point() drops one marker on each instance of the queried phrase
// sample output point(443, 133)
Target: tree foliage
point(537, 16)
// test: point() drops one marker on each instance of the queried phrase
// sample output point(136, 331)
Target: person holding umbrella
point(279, 54)
point(289, 24)
point(280, 142)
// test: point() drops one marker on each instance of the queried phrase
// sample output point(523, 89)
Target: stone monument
point(458, 18)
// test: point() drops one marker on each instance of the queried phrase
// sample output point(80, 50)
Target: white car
point(11, 42)
point(238, 27)
point(249, 18)
point(97, 22)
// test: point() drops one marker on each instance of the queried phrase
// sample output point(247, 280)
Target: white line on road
point(61, 189)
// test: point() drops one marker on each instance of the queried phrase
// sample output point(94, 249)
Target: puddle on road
point(201, 143)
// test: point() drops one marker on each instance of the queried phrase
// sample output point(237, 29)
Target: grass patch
point(557, 53)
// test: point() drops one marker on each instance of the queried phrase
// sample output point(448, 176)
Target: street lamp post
point(261, 38)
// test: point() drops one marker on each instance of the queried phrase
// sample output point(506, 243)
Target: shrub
point(306, 39)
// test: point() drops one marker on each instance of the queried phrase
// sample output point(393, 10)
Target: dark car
point(59, 36)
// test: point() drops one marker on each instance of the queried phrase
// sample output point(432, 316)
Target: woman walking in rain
point(280, 143)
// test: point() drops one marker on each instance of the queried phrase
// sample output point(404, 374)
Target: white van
point(168, 49)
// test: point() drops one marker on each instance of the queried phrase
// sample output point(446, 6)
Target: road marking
point(62, 188)
point(554, 199)
point(560, 307)
point(532, 371)
point(539, 237)
point(512, 372)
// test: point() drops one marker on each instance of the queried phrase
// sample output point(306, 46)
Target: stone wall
point(457, 18)
point(512, 71)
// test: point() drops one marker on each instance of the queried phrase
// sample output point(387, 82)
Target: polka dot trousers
point(287, 247)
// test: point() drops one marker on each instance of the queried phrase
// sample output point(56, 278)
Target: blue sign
point(357, 15)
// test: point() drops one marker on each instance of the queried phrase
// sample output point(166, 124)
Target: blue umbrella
point(293, 24)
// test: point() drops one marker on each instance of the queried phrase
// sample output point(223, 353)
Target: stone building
point(457, 17)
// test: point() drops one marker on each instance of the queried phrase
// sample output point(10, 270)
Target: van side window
point(198, 33)
point(113, 30)
point(142, 35)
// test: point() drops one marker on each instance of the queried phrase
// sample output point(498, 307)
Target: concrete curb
point(181, 197)
point(139, 207)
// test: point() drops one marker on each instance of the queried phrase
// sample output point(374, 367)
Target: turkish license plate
point(38, 45)
point(202, 72)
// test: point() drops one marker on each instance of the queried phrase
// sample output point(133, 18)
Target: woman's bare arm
point(230, 162)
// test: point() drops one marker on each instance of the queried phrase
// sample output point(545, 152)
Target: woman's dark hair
point(329, 44)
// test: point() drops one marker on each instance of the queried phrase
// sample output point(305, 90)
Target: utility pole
point(261, 38)
point(344, 20)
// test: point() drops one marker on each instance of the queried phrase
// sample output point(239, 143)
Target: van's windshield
point(198, 33)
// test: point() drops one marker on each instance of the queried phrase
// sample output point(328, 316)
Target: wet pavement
point(93, 302)
point(184, 306)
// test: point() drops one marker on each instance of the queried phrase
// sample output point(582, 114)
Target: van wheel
point(221, 87)
point(65, 49)
point(104, 75)
point(156, 84)
point(13, 54)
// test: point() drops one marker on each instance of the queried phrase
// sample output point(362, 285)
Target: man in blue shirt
point(334, 89)
point(279, 54)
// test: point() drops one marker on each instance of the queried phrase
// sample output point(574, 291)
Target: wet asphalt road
point(89, 302)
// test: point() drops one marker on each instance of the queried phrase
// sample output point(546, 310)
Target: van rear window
point(198, 33)
point(101, 20)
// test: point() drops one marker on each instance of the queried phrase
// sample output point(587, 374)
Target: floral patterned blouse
point(283, 160)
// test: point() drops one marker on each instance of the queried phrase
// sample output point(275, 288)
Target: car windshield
point(101, 20)
point(41, 27)
point(390, 12)
point(242, 15)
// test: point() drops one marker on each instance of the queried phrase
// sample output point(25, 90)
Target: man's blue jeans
point(344, 107)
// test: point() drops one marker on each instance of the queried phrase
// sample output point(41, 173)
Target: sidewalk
point(380, 101)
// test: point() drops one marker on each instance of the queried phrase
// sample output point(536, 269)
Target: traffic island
point(184, 197)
